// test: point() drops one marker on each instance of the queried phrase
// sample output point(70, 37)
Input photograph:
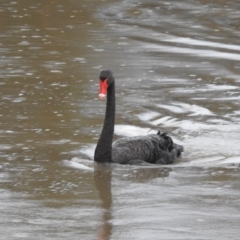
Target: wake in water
point(215, 161)
point(79, 163)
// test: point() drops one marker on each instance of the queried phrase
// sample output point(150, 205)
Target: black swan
point(153, 148)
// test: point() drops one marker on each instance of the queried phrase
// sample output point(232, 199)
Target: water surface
point(177, 70)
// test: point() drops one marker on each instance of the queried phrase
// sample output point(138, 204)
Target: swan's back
point(153, 148)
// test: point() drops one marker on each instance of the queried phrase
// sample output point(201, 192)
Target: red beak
point(103, 88)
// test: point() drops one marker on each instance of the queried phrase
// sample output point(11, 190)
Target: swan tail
point(173, 150)
point(178, 148)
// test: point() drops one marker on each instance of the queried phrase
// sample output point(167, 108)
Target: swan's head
point(105, 79)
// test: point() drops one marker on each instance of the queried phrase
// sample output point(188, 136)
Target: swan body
point(153, 148)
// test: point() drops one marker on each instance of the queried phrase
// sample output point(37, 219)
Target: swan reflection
point(102, 179)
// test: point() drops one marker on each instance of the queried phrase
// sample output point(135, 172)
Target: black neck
point(103, 151)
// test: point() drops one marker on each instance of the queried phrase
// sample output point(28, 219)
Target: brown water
point(177, 69)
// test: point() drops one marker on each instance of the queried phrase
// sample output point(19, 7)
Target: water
point(177, 69)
